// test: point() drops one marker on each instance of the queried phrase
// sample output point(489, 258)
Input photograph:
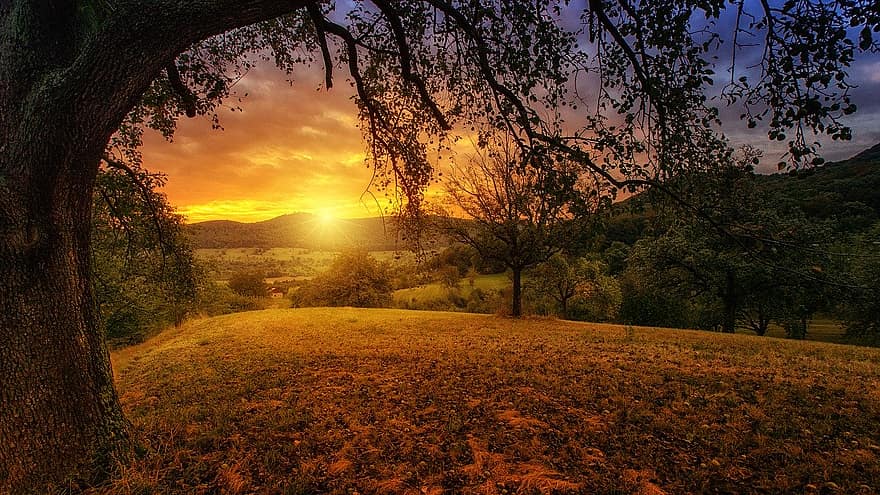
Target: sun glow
point(325, 216)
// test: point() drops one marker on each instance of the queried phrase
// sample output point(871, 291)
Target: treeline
point(722, 249)
point(736, 250)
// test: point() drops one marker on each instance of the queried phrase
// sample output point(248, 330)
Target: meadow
point(347, 401)
point(280, 263)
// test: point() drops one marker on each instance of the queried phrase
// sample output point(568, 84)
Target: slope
point(383, 401)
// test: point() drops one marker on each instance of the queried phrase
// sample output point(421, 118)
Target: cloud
point(294, 148)
point(291, 148)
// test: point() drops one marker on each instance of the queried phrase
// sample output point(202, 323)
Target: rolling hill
point(847, 192)
point(346, 401)
point(301, 230)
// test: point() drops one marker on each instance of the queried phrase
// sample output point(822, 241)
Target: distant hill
point(850, 188)
point(847, 192)
point(302, 230)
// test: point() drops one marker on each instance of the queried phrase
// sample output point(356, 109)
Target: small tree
point(353, 279)
point(559, 280)
point(579, 287)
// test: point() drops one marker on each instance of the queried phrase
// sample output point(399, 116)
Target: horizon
point(328, 214)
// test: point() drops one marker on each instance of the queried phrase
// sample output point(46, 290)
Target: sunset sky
point(296, 149)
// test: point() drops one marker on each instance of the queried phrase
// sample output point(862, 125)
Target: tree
point(78, 76)
point(353, 279)
point(580, 281)
point(145, 273)
point(860, 304)
point(517, 211)
point(248, 284)
point(752, 259)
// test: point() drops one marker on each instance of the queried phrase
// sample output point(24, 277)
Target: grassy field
point(435, 291)
point(351, 401)
point(287, 263)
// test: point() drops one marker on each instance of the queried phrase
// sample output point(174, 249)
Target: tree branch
point(317, 18)
point(405, 57)
point(187, 98)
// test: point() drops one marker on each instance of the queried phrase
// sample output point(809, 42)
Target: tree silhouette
point(521, 211)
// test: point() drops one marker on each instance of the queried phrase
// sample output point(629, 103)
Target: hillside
point(847, 191)
point(380, 401)
point(302, 230)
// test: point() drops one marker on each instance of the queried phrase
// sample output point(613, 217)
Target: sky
point(294, 148)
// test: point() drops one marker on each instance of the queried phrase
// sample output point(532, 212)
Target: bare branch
point(317, 18)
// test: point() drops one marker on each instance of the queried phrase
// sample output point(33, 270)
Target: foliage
point(740, 253)
point(580, 288)
point(510, 66)
point(354, 278)
point(461, 256)
point(145, 273)
point(647, 303)
point(250, 284)
point(449, 276)
point(861, 309)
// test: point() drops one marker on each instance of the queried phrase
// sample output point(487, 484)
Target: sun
point(325, 216)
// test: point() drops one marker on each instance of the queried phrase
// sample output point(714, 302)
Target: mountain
point(302, 230)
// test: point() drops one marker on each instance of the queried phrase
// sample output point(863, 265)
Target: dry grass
point(393, 402)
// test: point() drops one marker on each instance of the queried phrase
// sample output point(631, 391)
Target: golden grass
point(361, 401)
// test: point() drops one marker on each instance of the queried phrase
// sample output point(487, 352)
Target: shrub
point(354, 279)
point(248, 284)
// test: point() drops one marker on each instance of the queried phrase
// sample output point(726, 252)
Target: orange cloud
point(291, 148)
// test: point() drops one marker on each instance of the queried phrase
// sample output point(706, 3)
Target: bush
point(216, 299)
point(354, 279)
point(248, 284)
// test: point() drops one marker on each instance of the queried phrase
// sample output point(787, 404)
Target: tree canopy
point(145, 273)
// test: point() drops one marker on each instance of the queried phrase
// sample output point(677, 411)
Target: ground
point(402, 402)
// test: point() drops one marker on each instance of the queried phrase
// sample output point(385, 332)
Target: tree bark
point(516, 305)
point(59, 409)
point(728, 324)
point(65, 86)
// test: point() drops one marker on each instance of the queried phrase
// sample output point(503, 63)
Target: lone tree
point(519, 209)
point(76, 77)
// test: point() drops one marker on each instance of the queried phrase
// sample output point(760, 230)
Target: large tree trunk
point(66, 82)
point(59, 410)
